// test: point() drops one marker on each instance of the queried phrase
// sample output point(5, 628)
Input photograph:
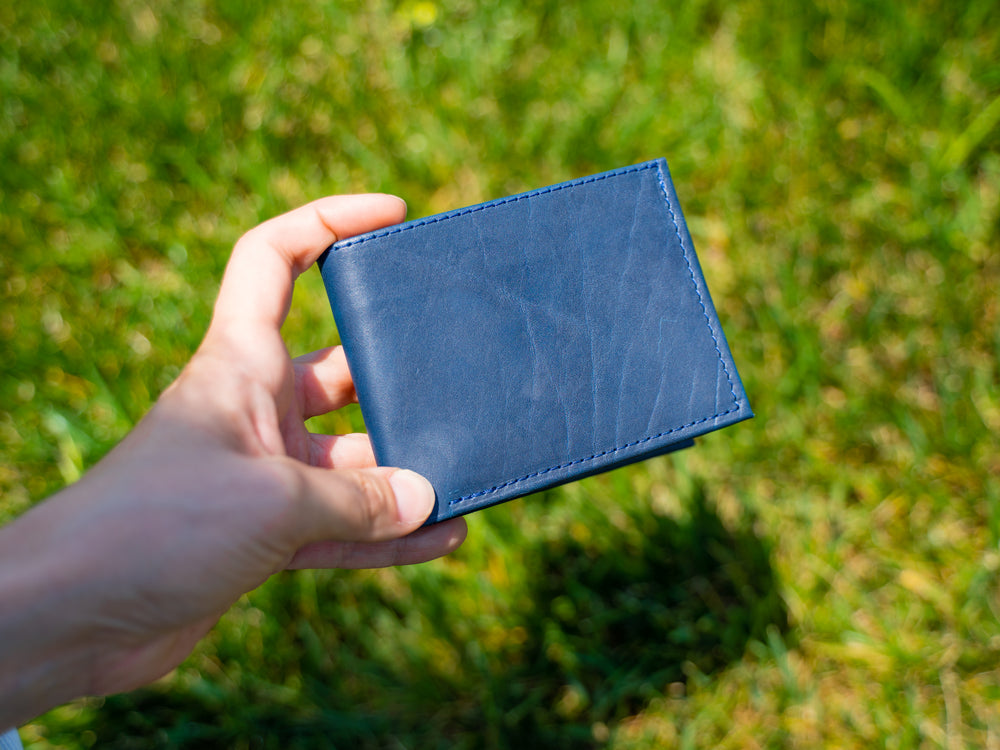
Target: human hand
point(109, 584)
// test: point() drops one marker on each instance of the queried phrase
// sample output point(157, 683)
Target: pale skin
point(109, 584)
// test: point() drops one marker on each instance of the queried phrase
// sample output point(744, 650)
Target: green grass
point(823, 575)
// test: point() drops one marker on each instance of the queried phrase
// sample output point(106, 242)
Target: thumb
point(358, 505)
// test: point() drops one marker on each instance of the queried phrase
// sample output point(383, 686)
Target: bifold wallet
point(533, 340)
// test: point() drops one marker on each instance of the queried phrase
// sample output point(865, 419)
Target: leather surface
point(532, 340)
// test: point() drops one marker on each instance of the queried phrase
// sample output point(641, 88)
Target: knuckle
point(377, 500)
point(247, 241)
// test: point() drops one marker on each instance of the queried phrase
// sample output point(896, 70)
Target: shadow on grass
point(642, 611)
point(628, 615)
point(610, 620)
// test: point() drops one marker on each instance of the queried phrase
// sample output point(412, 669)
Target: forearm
point(44, 656)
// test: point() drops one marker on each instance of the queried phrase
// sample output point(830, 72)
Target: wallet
point(533, 340)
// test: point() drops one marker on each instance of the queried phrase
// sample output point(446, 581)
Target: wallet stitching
point(697, 290)
point(684, 254)
point(493, 204)
point(576, 461)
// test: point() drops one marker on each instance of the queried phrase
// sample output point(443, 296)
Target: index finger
point(256, 289)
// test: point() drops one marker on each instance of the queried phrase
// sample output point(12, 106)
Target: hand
point(109, 584)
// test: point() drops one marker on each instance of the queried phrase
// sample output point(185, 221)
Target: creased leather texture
point(532, 340)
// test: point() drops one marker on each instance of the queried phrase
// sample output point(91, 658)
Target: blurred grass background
point(823, 575)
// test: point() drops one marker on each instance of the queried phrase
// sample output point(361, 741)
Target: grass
point(823, 575)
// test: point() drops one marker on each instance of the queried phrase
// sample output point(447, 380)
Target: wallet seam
point(344, 244)
point(601, 454)
point(701, 301)
point(694, 282)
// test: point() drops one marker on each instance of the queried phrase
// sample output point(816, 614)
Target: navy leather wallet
point(533, 340)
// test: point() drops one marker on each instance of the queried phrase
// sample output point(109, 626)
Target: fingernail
point(414, 496)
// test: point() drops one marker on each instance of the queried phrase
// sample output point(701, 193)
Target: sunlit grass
point(824, 574)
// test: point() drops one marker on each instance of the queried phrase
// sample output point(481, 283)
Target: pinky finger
point(422, 545)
